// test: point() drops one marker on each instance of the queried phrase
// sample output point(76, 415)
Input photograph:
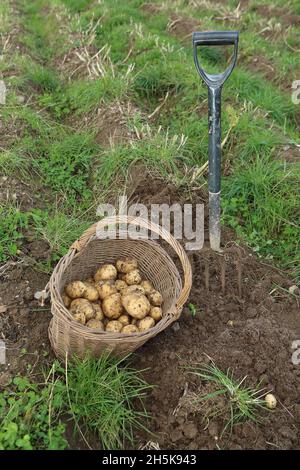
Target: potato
point(155, 298)
point(82, 306)
point(106, 272)
point(145, 323)
point(106, 288)
point(133, 277)
point(120, 285)
point(90, 293)
point(147, 286)
point(80, 317)
point(126, 265)
point(271, 401)
point(114, 326)
point(135, 288)
point(66, 300)
point(93, 323)
point(129, 329)
point(156, 313)
point(112, 306)
point(124, 319)
point(137, 305)
point(98, 312)
point(75, 289)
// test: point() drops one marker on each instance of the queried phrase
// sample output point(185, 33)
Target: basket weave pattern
point(81, 262)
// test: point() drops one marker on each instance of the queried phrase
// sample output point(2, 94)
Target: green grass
point(65, 165)
point(30, 415)
point(146, 64)
point(13, 223)
point(241, 402)
point(103, 397)
point(59, 229)
point(260, 205)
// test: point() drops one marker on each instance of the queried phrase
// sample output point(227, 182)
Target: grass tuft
point(242, 403)
point(103, 396)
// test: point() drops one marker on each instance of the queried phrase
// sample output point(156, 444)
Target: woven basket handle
point(90, 233)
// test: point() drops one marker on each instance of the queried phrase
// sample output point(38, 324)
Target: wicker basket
point(83, 259)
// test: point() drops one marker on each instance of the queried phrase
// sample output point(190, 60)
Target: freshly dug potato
point(98, 312)
point(120, 285)
point(82, 306)
point(271, 401)
point(106, 288)
point(156, 313)
point(112, 306)
point(66, 300)
point(155, 298)
point(124, 319)
point(135, 288)
point(147, 286)
point(80, 317)
point(90, 293)
point(126, 265)
point(128, 329)
point(106, 272)
point(137, 305)
point(75, 289)
point(114, 326)
point(133, 277)
point(145, 323)
point(93, 323)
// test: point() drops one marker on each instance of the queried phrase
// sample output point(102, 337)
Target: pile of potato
point(116, 299)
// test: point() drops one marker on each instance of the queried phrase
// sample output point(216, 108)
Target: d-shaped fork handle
point(215, 38)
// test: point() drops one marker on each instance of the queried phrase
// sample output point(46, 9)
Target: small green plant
point(13, 222)
point(29, 416)
point(241, 403)
point(192, 309)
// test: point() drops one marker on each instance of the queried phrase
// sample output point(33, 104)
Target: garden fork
point(214, 84)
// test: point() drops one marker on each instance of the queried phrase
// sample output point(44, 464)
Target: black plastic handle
point(215, 38)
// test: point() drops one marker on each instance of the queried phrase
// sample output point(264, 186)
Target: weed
point(13, 222)
point(29, 416)
point(241, 403)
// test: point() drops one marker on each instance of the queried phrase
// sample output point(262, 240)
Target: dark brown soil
point(252, 334)
point(182, 27)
